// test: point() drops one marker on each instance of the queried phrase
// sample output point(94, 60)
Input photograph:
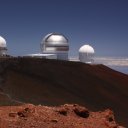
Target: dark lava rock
point(81, 111)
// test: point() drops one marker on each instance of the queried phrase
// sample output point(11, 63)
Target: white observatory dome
point(3, 46)
point(86, 54)
point(2, 42)
point(55, 43)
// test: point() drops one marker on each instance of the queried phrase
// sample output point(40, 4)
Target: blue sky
point(100, 23)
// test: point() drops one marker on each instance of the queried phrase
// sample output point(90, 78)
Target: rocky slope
point(52, 82)
point(66, 116)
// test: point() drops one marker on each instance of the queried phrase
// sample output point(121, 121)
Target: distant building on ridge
point(3, 46)
point(53, 46)
point(56, 44)
point(86, 54)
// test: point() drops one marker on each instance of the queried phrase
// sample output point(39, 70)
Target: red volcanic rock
point(81, 111)
point(66, 116)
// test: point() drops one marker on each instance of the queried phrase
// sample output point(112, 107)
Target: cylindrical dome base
point(62, 56)
point(86, 58)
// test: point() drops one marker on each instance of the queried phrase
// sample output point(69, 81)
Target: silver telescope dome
point(54, 42)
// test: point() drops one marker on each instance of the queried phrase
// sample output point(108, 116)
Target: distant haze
point(112, 61)
point(100, 23)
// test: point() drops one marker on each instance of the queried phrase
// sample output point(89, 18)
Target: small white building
point(3, 46)
point(86, 54)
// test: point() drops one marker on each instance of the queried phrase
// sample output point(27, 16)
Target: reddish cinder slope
point(66, 116)
point(52, 82)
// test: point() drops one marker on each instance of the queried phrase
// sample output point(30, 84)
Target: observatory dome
point(55, 43)
point(3, 46)
point(86, 54)
point(86, 49)
point(2, 42)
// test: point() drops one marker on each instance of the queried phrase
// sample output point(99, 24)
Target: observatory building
point(3, 46)
point(86, 54)
point(55, 44)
